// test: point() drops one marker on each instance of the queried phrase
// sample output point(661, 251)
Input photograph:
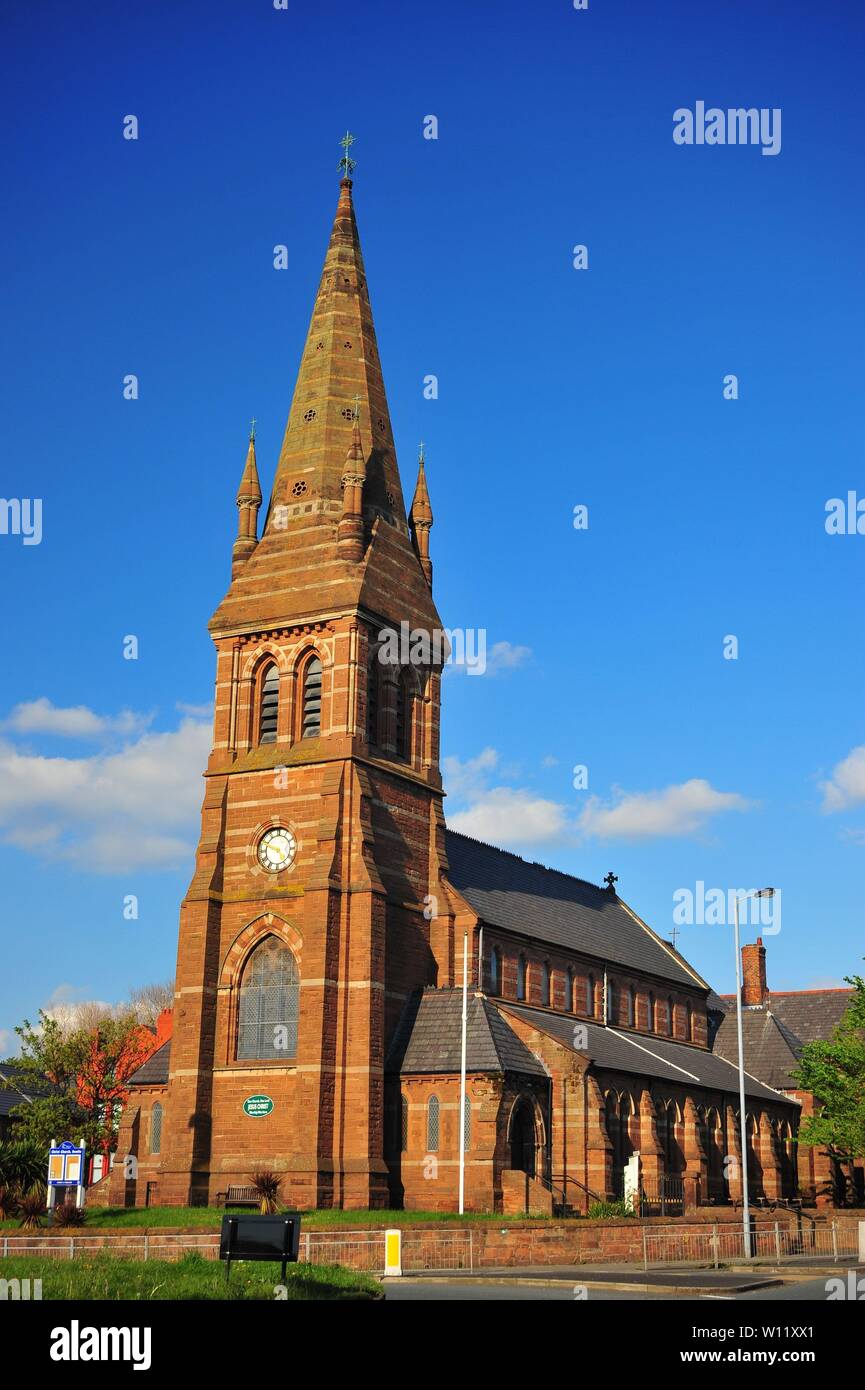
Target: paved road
point(465, 1290)
point(407, 1291)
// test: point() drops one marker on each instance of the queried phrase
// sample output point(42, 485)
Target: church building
point(317, 1016)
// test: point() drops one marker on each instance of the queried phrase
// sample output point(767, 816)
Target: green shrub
point(600, 1211)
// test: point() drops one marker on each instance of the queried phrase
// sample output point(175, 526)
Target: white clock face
point(276, 849)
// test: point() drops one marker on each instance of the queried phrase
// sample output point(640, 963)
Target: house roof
point(21, 1089)
point(646, 1056)
point(428, 1037)
point(774, 1033)
point(769, 1047)
point(153, 1072)
point(518, 896)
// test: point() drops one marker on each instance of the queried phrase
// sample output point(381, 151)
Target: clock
point(276, 849)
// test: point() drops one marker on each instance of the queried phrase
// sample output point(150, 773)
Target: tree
point(148, 1001)
point(833, 1069)
point(76, 1077)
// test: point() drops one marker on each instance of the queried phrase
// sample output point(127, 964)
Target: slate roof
point(770, 1048)
point(638, 1055)
point(428, 1037)
point(153, 1072)
point(508, 892)
point(10, 1098)
point(774, 1033)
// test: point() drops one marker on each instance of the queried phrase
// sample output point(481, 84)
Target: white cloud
point(674, 811)
point(519, 816)
point(197, 711)
point(467, 779)
point(846, 786)
point(132, 808)
point(475, 659)
point(74, 721)
point(511, 816)
point(9, 1043)
point(504, 656)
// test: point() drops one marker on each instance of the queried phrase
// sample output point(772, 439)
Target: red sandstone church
point(318, 1010)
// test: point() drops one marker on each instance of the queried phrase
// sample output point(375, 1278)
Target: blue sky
point(557, 387)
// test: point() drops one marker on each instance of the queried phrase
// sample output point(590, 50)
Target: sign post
point(66, 1168)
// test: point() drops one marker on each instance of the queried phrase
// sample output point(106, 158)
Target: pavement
point(807, 1280)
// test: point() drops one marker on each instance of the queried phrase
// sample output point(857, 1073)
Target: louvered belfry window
point(372, 701)
point(403, 719)
point(269, 999)
point(269, 707)
point(312, 700)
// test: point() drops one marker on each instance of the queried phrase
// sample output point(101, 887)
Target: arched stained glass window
point(495, 971)
point(269, 1000)
point(156, 1128)
point(403, 1124)
point(522, 977)
point(432, 1125)
point(545, 984)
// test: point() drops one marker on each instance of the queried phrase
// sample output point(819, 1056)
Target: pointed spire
point(248, 503)
point(350, 533)
point(340, 361)
point(421, 518)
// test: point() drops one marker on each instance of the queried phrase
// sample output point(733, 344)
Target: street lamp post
point(743, 1129)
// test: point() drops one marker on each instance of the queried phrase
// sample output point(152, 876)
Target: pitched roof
point(153, 1072)
point(646, 1056)
point(774, 1033)
point(811, 1014)
point(19, 1090)
point(428, 1037)
point(770, 1049)
point(508, 892)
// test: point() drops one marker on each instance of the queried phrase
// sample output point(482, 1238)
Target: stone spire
point(248, 503)
point(421, 519)
point(340, 378)
point(326, 543)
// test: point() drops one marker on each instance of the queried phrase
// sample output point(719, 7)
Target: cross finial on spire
point(420, 452)
point(253, 422)
point(356, 406)
point(611, 880)
point(346, 164)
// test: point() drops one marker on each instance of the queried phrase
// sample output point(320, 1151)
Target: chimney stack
point(754, 988)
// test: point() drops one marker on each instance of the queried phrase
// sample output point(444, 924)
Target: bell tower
point(308, 922)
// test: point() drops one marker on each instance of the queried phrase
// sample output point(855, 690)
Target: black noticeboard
point(260, 1238)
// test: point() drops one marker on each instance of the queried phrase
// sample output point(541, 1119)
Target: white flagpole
point(463, 1072)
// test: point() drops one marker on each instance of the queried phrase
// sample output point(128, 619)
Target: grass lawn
point(104, 1277)
point(210, 1218)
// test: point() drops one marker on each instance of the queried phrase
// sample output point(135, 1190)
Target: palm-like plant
point(8, 1202)
point(31, 1205)
point(22, 1164)
point(266, 1185)
point(68, 1215)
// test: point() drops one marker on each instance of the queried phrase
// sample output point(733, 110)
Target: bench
point(239, 1197)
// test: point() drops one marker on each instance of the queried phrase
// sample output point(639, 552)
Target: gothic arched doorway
point(522, 1137)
